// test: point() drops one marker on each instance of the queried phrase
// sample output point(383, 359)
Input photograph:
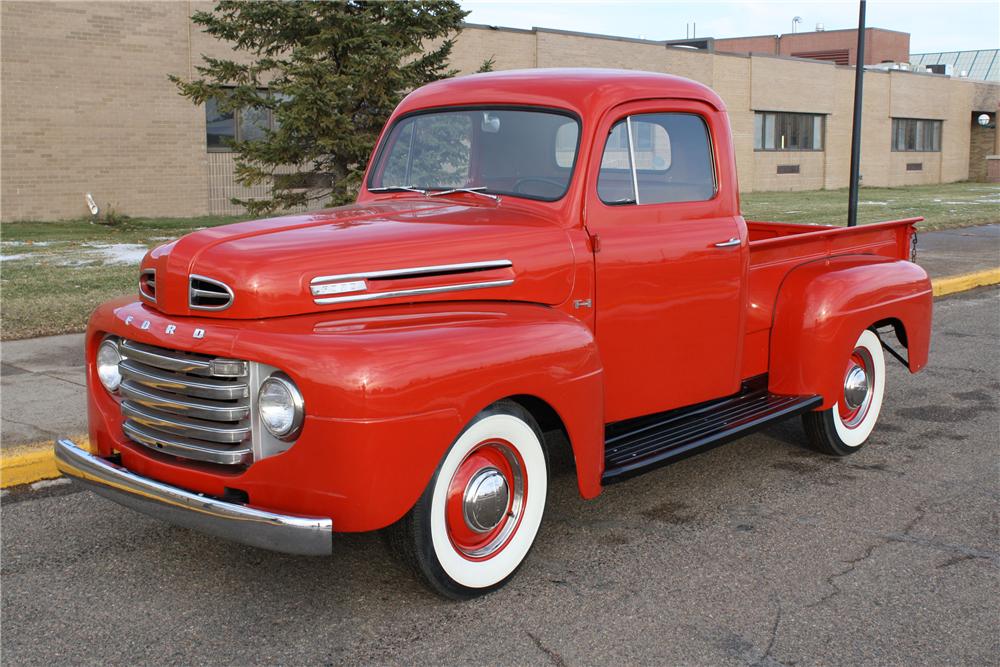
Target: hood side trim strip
point(415, 271)
point(418, 291)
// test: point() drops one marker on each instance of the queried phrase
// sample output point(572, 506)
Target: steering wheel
point(559, 187)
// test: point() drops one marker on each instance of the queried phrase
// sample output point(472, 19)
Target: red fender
point(823, 306)
point(387, 390)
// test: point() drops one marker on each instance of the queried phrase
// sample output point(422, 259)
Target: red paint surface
point(673, 320)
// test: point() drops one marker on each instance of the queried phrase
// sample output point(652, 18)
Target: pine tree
point(330, 73)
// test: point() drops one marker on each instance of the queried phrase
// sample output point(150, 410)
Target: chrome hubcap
point(856, 387)
point(485, 500)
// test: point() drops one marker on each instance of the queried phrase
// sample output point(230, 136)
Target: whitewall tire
point(844, 428)
point(479, 515)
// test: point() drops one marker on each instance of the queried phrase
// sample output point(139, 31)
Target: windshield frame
point(383, 144)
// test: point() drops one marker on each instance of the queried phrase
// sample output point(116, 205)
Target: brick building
point(837, 46)
point(87, 108)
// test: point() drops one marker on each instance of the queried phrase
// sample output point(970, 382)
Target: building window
point(914, 134)
point(667, 156)
point(224, 127)
point(774, 131)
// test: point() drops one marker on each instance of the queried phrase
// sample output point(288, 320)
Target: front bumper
point(309, 536)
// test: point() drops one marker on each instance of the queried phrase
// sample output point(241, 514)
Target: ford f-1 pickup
point(536, 260)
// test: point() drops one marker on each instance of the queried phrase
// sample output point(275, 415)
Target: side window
point(665, 158)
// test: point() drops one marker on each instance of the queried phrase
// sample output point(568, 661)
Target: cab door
point(670, 257)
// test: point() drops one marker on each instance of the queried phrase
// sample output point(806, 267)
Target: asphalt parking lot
point(760, 552)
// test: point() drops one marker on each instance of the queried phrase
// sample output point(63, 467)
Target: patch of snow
point(874, 203)
point(118, 253)
point(45, 483)
point(25, 243)
point(9, 258)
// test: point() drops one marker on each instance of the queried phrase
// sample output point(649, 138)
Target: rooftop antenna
point(859, 79)
point(795, 22)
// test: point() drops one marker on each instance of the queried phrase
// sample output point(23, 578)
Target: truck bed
point(778, 247)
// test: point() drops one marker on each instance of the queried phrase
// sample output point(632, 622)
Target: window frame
point(762, 135)
point(375, 163)
point(237, 132)
point(626, 118)
point(937, 137)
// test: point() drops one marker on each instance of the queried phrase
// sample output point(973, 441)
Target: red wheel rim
point(496, 460)
point(860, 373)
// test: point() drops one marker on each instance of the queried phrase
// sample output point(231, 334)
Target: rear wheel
point(479, 515)
point(844, 428)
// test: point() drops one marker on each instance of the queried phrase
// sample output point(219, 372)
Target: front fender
point(387, 390)
point(823, 306)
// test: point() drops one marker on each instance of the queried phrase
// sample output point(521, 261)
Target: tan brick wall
point(86, 107)
point(982, 145)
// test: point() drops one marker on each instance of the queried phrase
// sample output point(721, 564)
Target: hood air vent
point(208, 294)
point(147, 285)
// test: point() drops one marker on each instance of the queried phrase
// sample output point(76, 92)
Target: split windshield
point(496, 151)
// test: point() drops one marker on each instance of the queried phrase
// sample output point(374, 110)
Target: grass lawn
point(53, 274)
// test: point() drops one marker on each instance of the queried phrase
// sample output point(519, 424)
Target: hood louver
point(208, 294)
point(147, 285)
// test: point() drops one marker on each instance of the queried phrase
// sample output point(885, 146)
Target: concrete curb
point(967, 281)
point(26, 464)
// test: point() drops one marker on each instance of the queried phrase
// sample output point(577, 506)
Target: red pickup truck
point(536, 259)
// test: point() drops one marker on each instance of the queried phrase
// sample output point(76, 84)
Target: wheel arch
point(821, 308)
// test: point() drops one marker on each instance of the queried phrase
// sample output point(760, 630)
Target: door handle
point(728, 244)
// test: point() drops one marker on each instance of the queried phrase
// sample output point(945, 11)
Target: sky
point(939, 25)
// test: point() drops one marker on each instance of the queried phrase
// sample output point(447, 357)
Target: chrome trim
point(298, 404)
point(413, 292)
point(152, 356)
point(631, 157)
point(164, 380)
point(143, 281)
point(188, 428)
point(301, 535)
point(192, 292)
point(415, 271)
point(728, 244)
point(183, 404)
point(485, 500)
point(186, 448)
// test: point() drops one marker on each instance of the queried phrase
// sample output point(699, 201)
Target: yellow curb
point(31, 463)
point(967, 281)
point(26, 464)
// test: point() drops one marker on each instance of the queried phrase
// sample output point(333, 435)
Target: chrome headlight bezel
point(107, 370)
point(282, 383)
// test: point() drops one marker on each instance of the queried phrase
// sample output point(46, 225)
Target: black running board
point(639, 445)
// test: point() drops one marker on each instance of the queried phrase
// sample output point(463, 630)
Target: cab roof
point(585, 91)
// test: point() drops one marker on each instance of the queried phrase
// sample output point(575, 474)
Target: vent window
point(208, 294)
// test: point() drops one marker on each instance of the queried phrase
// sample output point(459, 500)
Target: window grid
point(916, 135)
point(780, 131)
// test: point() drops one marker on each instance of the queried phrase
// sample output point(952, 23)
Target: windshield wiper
point(398, 188)
point(478, 190)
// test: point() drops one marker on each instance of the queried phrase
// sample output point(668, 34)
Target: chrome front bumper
point(309, 536)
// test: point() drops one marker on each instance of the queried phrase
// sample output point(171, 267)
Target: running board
point(639, 445)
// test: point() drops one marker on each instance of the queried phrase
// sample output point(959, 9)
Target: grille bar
point(189, 405)
point(186, 448)
point(192, 407)
point(188, 427)
point(179, 383)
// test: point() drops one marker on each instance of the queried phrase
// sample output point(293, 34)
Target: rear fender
point(823, 306)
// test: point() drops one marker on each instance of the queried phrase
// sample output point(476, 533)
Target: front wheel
point(844, 428)
point(478, 517)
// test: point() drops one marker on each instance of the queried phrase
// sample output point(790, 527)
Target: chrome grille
point(208, 294)
point(190, 405)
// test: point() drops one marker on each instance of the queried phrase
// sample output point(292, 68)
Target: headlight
point(108, 358)
point(280, 406)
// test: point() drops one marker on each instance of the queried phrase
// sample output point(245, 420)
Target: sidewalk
point(42, 379)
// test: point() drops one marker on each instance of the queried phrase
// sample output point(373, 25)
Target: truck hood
point(392, 251)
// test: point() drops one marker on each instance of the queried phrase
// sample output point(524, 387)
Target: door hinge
point(595, 243)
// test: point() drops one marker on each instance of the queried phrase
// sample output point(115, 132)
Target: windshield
point(500, 151)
